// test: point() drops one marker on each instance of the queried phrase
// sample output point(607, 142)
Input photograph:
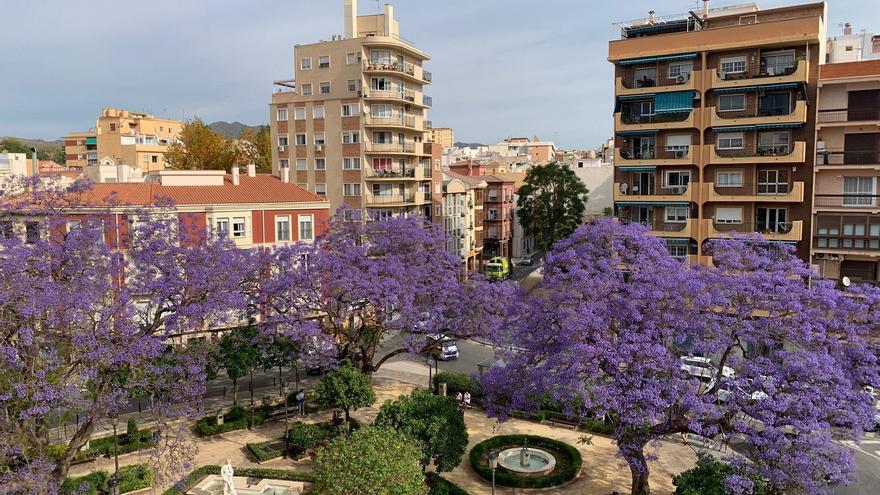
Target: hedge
point(238, 418)
point(438, 485)
point(134, 477)
point(93, 481)
point(193, 478)
point(263, 452)
point(457, 382)
point(304, 436)
point(131, 478)
point(104, 446)
point(568, 461)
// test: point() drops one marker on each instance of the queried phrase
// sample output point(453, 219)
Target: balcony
point(756, 114)
point(393, 173)
point(629, 85)
point(671, 195)
point(848, 158)
point(660, 228)
point(391, 148)
point(407, 96)
point(405, 70)
point(651, 156)
point(406, 121)
point(632, 122)
point(762, 154)
point(427, 101)
point(763, 75)
point(764, 193)
point(405, 199)
point(863, 203)
point(784, 232)
point(848, 116)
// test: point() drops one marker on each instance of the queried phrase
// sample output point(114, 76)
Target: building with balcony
point(352, 125)
point(463, 215)
point(853, 47)
point(714, 117)
point(127, 137)
point(444, 136)
point(846, 203)
point(498, 207)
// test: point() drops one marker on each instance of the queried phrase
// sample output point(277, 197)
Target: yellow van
point(498, 268)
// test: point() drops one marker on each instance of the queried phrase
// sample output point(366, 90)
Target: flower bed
point(131, 478)
point(568, 461)
point(238, 418)
point(264, 451)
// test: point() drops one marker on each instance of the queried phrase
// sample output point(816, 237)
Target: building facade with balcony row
point(714, 117)
point(352, 126)
point(464, 217)
point(498, 208)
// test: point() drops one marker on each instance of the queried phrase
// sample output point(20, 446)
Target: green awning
point(646, 96)
point(735, 128)
point(758, 87)
point(648, 60)
point(636, 133)
point(674, 102)
point(91, 140)
point(792, 125)
point(677, 240)
point(650, 203)
point(637, 169)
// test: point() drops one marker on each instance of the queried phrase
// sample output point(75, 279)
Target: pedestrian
point(459, 397)
point(301, 401)
point(467, 399)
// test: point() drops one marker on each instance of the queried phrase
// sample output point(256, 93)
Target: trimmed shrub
point(237, 418)
point(134, 477)
point(568, 461)
point(263, 451)
point(193, 478)
point(90, 483)
point(143, 439)
point(438, 485)
point(131, 430)
point(457, 382)
point(304, 436)
point(131, 478)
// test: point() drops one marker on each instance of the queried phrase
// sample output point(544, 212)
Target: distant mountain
point(231, 129)
point(40, 144)
point(459, 144)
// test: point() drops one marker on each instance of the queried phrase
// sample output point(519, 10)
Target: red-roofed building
point(497, 209)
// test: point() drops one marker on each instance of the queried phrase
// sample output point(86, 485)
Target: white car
point(728, 390)
point(448, 349)
point(702, 368)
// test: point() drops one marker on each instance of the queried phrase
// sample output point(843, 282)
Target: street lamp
point(493, 463)
point(113, 484)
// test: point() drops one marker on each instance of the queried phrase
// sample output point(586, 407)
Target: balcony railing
point(752, 111)
point(390, 199)
point(759, 72)
point(849, 115)
point(759, 227)
point(406, 120)
point(853, 201)
point(636, 119)
point(395, 94)
point(652, 154)
point(427, 101)
point(391, 173)
point(847, 157)
point(390, 148)
point(761, 150)
point(753, 189)
point(630, 81)
point(402, 67)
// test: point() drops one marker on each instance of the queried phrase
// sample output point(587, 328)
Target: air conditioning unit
point(681, 154)
point(360, 93)
point(282, 149)
point(682, 78)
point(820, 256)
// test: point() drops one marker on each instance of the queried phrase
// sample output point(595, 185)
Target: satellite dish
point(366, 109)
point(846, 281)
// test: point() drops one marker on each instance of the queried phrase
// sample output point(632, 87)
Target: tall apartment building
point(352, 125)
point(463, 217)
point(715, 123)
point(498, 206)
point(132, 138)
point(444, 136)
point(846, 205)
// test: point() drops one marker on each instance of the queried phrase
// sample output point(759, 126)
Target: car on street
point(526, 261)
point(702, 368)
point(730, 390)
point(447, 349)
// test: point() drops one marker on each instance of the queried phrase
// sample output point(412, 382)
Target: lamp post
point(113, 484)
point(493, 463)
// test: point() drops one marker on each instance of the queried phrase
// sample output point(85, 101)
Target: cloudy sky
point(501, 67)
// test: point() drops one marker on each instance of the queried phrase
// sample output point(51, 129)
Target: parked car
point(877, 422)
point(730, 390)
point(448, 348)
point(702, 368)
point(527, 261)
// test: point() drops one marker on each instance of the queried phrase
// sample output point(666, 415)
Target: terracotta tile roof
point(264, 188)
point(850, 69)
point(471, 180)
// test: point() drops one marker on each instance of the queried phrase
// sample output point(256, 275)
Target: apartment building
point(715, 122)
point(498, 206)
point(846, 204)
point(463, 213)
point(14, 164)
point(853, 47)
point(352, 125)
point(444, 136)
point(133, 138)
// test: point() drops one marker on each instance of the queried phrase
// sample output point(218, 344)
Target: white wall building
point(853, 47)
point(14, 164)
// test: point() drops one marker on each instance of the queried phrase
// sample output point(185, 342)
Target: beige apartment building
point(463, 198)
point(352, 125)
point(130, 138)
point(846, 205)
point(444, 136)
point(715, 116)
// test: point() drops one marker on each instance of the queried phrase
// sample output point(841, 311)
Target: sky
point(501, 67)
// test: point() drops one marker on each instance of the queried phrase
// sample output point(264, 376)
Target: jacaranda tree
point(88, 307)
point(604, 332)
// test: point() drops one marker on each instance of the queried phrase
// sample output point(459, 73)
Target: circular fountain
point(527, 461)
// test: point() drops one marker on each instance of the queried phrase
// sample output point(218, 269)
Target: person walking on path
point(301, 402)
point(467, 399)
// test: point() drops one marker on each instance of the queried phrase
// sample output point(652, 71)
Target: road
point(868, 460)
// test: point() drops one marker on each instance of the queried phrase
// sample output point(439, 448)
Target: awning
point(91, 140)
point(648, 60)
point(651, 203)
point(637, 169)
point(646, 96)
point(735, 128)
point(792, 125)
point(677, 240)
point(674, 102)
point(636, 133)
point(758, 87)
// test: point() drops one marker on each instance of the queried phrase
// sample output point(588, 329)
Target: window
point(351, 109)
point(731, 103)
point(680, 69)
point(7, 229)
point(680, 142)
point(238, 227)
point(352, 58)
point(282, 228)
point(305, 63)
point(320, 164)
point(677, 250)
point(437, 165)
point(318, 112)
point(644, 108)
point(728, 215)
point(729, 178)
point(303, 185)
point(678, 179)
point(282, 140)
point(383, 138)
point(774, 143)
point(351, 137)
point(324, 88)
point(112, 127)
point(300, 139)
point(306, 232)
point(324, 62)
point(351, 189)
point(380, 57)
point(382, 111)
point(383, 190)
point(299, 113)
point(771, 219)
point(351, 164)
point(321, 189)
point(380, 84)
point(438, 210)
point(382, 163)
point(777, 63)
point(646, 77)
point(222, 227)
point(733, 65)
point(307, 89)
point(281, 114)
point(352, 85)
point(319, 138)
point(676, 214)
point(772, 182)
point(730, 141)
point(154, 158)
point(301, 164)
point(283, 163)
point(31, 232)
point(859, 191)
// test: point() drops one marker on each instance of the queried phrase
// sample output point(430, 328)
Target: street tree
point(434, 420)
point(256, 147)
point(201, 148)
point(604, 332)
point(373, 461)
point(85, 316)
point(279, 351)
point(551, 203)
point(346, 388)
point(239, 355)
point(708, 477)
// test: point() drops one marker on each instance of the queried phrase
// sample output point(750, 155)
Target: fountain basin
point(539, 462)
point(213, 485)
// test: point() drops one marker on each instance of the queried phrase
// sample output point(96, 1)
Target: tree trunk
point(235, 392)
point(79, 439)
point(280, 382)
point(251, 386)
point(638, 466)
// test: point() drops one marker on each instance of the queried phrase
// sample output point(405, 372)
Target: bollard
point(220, 417)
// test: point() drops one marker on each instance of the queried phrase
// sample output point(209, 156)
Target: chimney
point(120, 172)
point(252, 169)
point(235, 179)
point(285, 174)
point(389, 18)
point(705, 9)
point(36, 162)
point(847, 29)
point(351, 18)
point(652, 17)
